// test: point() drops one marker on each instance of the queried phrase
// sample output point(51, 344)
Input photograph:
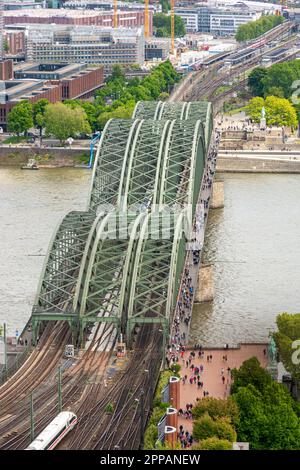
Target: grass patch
point(14, 139)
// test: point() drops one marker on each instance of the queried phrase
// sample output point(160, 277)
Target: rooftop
point(59, 12)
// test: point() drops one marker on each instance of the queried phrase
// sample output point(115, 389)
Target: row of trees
point(115, 100)
point(162, 25)
point(253, 29)
point(57, 119)
point(279, 111)
point(259, 411)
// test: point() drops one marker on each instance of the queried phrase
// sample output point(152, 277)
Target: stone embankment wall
point(256, 165)
point(49, 157)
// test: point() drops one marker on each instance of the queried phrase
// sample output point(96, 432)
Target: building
point(85, 44)
point(157, 49)
point(20, 4)
point(221, 17)
point(6, 70)
point(108, 5)
point(125, 19)
point(14, 39)
point(55, 82)
point(222, 21)
point(1, 29)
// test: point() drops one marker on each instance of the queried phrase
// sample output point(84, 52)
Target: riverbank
point(236, 162)
point(49, 157)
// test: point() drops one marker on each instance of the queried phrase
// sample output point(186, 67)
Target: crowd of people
point(186, 293)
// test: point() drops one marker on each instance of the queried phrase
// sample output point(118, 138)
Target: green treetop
point(20, 118)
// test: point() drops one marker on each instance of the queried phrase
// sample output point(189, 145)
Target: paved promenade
point(213, 371)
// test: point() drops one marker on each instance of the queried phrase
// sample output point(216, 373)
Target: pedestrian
point(223, 379)
point(210, 357)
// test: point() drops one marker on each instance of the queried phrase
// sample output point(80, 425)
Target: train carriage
point(49, 438)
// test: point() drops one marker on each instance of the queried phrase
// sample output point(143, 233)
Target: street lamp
point(164, 348)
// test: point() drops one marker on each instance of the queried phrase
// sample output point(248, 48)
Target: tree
point(289, 331)
point(250, 373)
point(253, 29)
point(38, 110)
point(217, 408)
point(206, 427)
point(117, 73)
point(255, 81)
point(268, 418)
point(62, 121)
point(279, 111)
point(122, 112)
point(162, 25)
point(88, 107)
point(5, 45)
point(213, 443)
point(20, 118)
point(254, 107)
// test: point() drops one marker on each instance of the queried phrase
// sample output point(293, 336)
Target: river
point(31, 205)
point(254, 247)
point(253, 244)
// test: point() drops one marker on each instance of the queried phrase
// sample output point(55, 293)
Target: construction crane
point(172, 28)
point(146, 32)
point(115, 13)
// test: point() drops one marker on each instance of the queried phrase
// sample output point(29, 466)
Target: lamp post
point(5, 347)
point(31, 418)
point(142, 419)
point(59, 389)
point(164, 348)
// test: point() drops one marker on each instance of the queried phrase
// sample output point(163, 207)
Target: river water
point(253, 244)
point(31, 205)
point(254, 247)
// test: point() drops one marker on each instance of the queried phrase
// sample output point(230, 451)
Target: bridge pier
point(217, 198)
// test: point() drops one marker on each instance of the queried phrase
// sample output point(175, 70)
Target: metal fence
point(5, 374)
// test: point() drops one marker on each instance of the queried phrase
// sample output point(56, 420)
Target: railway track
point(74, 390)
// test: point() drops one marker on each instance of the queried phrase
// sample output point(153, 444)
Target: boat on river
point(30, 165)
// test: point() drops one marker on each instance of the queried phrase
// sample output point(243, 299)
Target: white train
point(54, 432)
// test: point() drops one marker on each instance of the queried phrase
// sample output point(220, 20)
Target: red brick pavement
point(212, 374)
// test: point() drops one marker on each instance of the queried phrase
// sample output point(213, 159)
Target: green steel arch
point(101, 296)
point(146, 110)
point(177, 110)
point(55, 293)
point(174, 110)
point(101, 266)
point(138, 182)
point(155, 280)
point(183, 165)
point(111, 154)
point(201, 110)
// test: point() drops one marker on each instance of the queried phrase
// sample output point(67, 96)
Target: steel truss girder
point(111, 154)
point(177, 110)
point(155, 280)
point(62, 264)
point(146, 110)
point(182, 169)
point(139, 177)
point(103, 290)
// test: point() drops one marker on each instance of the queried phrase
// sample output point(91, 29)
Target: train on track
point(49, 438)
